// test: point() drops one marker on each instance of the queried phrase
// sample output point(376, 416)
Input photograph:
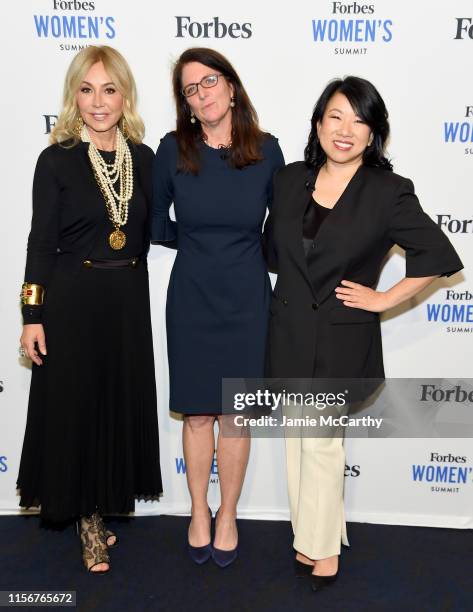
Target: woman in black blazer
point(91, 440)
point(334, 217)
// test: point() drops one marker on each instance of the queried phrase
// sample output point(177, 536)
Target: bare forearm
point(405, 289)
point(355, 295)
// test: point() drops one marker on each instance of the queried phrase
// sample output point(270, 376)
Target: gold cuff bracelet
point(31, 294)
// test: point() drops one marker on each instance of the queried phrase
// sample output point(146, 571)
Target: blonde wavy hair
point(117, 68)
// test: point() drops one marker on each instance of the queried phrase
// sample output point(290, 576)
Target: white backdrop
point(419, 57)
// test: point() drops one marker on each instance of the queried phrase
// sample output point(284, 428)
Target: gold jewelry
point(31, 294)
point(78, 125)
point(124, 127)
point(106, 176)
point(232, 102)
point(193, 119)
point(117, 239)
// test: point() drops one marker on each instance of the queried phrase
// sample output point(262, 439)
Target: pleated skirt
point(91, 441)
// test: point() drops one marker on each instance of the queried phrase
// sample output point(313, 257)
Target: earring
point(78, 125)
point(192, 117)
point(232, 102)
point(124, 127)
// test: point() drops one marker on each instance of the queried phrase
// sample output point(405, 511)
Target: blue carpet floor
point(398, 569)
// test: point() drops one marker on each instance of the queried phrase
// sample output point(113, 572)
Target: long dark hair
point(246, 136)
point(368, 105)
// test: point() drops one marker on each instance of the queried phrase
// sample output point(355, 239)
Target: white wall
point(423, 73)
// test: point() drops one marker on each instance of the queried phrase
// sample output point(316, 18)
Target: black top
point(134, 230)
point(70, 222)
point(315, 214)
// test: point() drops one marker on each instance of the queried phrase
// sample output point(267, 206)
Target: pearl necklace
point(107, 175)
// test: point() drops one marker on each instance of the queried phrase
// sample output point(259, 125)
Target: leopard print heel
point(94, 545)
point(108, 534)
point(111, 534)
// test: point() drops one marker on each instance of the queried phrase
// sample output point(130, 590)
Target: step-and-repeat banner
point(419, 57)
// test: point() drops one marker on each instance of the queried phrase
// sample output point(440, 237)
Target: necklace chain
point(108, 174)
point(205, 138)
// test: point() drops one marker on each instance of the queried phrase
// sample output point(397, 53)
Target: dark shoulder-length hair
point(247, 138)
point(368, 105)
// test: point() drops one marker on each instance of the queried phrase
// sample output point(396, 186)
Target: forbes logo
point(460, 131)
point(447, 458)
point(49, 123)
point(435, 393)
point(455, 226)
point(444, 473)
point(186, 28)
point(181, 466)
point(352, 470)
point(457, 308)
point(74, 26)
point(451, 311)
point(464, 28)
point(73, 5)
point(3, 464)
point(444, 476)
point(354, 29)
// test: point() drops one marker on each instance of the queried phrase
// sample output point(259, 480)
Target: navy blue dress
point(219, 291)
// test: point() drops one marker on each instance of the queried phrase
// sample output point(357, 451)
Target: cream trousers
point(315, 474)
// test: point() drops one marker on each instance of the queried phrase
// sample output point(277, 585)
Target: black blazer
point(312, 334)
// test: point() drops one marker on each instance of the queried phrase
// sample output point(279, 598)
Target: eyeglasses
point(208, 81)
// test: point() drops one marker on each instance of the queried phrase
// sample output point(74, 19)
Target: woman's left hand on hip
point(355, 295)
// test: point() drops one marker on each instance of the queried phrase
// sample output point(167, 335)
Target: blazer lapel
point(300, 197)
point(326, 263)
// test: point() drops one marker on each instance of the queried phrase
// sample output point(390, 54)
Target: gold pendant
point(117, 240)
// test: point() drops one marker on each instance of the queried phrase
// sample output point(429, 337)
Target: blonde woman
point(91, 441)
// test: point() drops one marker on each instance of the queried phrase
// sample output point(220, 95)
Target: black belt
point(108, 264)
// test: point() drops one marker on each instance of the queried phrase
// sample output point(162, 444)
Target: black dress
point(91, 440)
point(219, 292)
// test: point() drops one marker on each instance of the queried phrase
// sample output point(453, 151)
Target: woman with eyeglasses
point(334, 218)
point(217, 169)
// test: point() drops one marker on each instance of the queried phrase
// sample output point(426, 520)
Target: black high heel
point(223, 558)
point(200, 554)
point(319, 582)
point(302, 569)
